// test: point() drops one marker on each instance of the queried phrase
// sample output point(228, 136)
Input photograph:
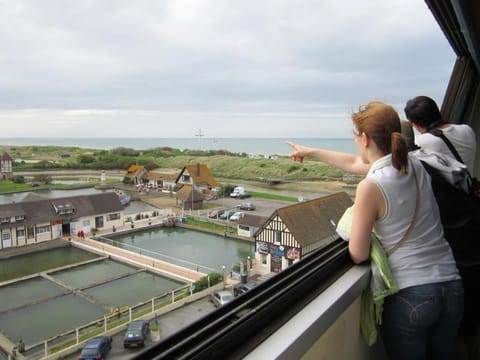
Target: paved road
point(168, 324)
point(264, 207)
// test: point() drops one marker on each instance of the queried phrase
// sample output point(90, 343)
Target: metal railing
point(157, 255)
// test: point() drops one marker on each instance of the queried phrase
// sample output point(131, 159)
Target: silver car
point(221, 297)
point(246, 206)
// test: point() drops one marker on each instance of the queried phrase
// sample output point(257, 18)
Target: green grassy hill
point(222, 164)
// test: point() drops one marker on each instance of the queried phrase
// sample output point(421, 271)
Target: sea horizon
point(264, 146)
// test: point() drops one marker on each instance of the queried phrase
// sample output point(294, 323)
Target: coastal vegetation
point(222, 164)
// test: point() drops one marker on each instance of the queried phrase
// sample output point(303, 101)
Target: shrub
point(226, 189)
point(18, 179)
point(122, 151)
point(42, 179)
point(154, 326)
point(293, 168)
point(127, 181)
point(86, 159)
point(202, 284)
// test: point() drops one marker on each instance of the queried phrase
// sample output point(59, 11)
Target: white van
point(238, 192)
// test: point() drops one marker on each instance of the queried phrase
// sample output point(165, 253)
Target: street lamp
point(223, 273)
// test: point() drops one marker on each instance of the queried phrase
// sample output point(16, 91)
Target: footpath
point(170, 270)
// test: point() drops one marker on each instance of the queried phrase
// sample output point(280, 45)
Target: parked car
point(96, 348)
point(227, 214)
point(241, 288)
point(236, 216)
point(136, 334)
point(215, 213)
point(239, 193)
point(247, 206)
point(221, 297)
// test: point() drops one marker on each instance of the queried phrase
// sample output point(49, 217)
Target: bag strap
point(441, 135)
point(397, 245)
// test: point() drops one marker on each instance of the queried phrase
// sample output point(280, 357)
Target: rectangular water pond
point(25, 292)
point(32, 263)
point(92, 273)
point(41, 321)
point(133, 289)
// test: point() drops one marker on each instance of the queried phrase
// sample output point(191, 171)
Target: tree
point(226, 189)
point(42, 179)
point(86, 159)
point(18, 179)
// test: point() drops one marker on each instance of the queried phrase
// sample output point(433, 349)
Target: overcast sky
point(248, 68)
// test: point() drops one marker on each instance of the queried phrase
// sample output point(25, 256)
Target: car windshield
point(227, 297)
point(88, 352)
point(132, 333)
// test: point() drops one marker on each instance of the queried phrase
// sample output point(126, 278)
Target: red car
point(214, 214)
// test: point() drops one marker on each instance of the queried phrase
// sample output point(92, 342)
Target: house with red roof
point(196, 178)
point(135, 174)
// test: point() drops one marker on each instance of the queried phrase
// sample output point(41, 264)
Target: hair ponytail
point(399, 152)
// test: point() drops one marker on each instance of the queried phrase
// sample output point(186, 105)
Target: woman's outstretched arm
point(344, 161)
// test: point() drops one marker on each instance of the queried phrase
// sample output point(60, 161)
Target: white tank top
point(425, 256)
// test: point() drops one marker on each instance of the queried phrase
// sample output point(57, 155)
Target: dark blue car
point(96, 348)
point(136, 334)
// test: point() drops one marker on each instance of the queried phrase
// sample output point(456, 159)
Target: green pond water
point(46, 319)
point(28, 264)
point(93, 273)
point(37, 308)
point(22, 293)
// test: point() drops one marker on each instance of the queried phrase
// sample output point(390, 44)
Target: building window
point(6, 236)
point(111, 217)
point(43, 229)
point(85, 223)
point(20, 232)
point(4, 220)
point(278, 236)
point(19, 217)
point(63, 209)
point(263, 258)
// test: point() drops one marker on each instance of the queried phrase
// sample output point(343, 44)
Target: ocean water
point(263, 146)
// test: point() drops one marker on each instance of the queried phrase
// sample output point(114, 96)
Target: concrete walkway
point(168, 269)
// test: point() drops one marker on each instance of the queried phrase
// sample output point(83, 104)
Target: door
point(99, 222)
point(6, 240)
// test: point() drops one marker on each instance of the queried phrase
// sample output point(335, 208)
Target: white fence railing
point(116, 319)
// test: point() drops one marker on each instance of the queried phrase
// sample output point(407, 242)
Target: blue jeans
point(421, 322)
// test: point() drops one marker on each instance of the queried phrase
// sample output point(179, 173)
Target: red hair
point(382, 124)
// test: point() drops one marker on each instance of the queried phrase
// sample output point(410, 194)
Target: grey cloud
point(268, 56)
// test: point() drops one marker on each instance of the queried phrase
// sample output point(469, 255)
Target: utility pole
point(199, 135)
